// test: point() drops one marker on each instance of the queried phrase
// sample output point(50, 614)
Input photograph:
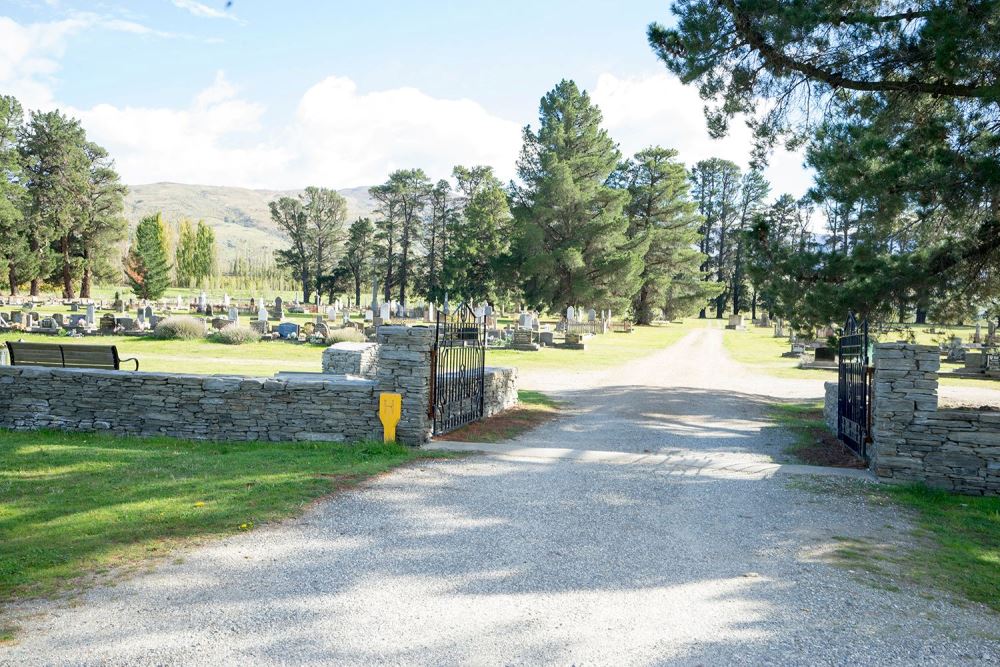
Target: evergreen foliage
point(147, 267)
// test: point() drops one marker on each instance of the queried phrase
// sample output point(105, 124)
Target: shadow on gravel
point(516, 562)
point(653, 419)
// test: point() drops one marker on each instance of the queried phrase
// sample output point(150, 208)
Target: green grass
point(76, 506)
point(603, 351)
point(760, 350)
point(963, 536)
point(200, 356)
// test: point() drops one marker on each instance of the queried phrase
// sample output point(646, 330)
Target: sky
point(280, 95)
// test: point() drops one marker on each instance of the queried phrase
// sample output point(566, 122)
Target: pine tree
point(479, 240)
point(15, 255)
point(357, 253)
point(572, 242)
point(325, 212)
point(664, 220)
point(147, 268)
point(102, 223)
point(287, 213)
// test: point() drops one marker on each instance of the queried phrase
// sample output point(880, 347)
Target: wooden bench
point(66, 356)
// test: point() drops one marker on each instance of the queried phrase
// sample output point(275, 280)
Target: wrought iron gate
point(854, 398)
point(458, 366)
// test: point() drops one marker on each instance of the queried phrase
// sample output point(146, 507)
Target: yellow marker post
point(390, 408)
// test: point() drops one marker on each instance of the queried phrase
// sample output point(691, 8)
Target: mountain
point(239, 216)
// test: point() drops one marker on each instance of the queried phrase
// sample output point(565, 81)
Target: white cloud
point(30, 54)
point(203, 11)
point(659, 109)
point(338, 137)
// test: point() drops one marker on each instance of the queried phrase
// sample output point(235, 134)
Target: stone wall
point(830, 408)
point(351, 359)
point(913, 441)
point(499, 390)
point(339, 404)
point(188, 406)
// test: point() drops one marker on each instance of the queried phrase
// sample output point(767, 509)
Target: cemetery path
point(623, 559)
point(688, 397)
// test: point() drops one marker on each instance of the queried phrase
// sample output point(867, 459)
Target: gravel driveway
point(539, 560)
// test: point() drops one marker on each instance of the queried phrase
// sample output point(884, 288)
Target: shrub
point(236, 334)
point(182, 327)
point(345, 335)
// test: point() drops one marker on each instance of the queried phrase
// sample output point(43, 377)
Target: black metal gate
point(854, 398)
point(458, 366)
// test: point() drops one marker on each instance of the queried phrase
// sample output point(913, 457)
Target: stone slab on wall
point(831, 397)
point(499, 390)
point(188, 406)
point(351, 359)
point(957, 450)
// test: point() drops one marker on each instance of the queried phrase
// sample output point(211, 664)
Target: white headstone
point(234, 314)
point(225, 301)
point(591, 315)
point(331, 313)
point(384, 312)
point(262, 313)
point(369, 315)
point(202, 300)
point(90, 315)
point(571, 314)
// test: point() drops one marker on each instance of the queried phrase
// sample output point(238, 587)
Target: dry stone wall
point(913, 441)
point(330, 406)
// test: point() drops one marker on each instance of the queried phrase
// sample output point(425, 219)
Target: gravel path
point(591, 559)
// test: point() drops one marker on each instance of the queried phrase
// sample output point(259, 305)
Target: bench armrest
point(122, 361)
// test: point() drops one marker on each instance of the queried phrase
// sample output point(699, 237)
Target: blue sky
point(284, 94)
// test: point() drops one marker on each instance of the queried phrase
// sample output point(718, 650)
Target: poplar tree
point(572, 243)
point(204, 253)
point(184, 254)
point(15, 256)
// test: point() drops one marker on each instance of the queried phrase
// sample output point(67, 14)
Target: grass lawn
point(200, 356)
point(760, 350)
point(76, 506)
point(603, 351)
point(534, 408)
point(957, 545)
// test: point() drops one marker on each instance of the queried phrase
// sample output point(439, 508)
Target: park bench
point(66, 356)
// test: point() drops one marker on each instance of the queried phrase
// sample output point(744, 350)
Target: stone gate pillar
point(404, 367)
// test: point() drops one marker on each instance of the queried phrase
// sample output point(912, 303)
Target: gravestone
point(234, 314)
point(575, 342)
point(107, 323)
point(736, 323)
point(148, 312)
point(202, 302)
point(571, 314)
point(126, 323)
point(288, 330)
point(208, 311)
point(331, 313)
point(279, 309)
point(219, 323)
point(58, 317)
point(521, 340)
point(77, 321)
point(90, 315)
point(140, 316)
point(546, 338)
point(591, 315)
point(977, 338)
point(369, 315)
point(262, 313)
point(991, 333)
point(260, 326)
point(384, 312)
point(225, 300)
point(429, 315)
point(825, 354)
point(74, 307)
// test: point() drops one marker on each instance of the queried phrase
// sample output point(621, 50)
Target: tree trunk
point(85, 283)
point(67, 274)
point(753, 305)
point(306, 287)
point(36, 285)
point(921, 316)
point(357, 288)
point(12, 277)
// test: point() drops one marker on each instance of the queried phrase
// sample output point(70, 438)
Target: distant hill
point(239, 216)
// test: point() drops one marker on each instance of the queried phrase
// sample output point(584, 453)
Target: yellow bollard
point(390, 407)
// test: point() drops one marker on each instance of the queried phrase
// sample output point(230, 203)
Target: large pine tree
point(664, 219)
point(572, 241)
